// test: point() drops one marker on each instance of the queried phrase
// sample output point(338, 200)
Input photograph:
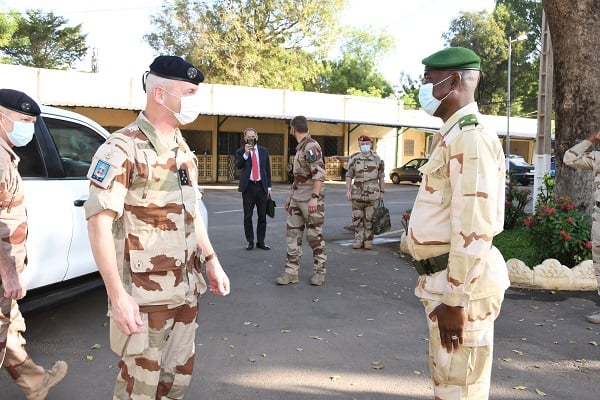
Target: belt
point(255, 181)
point(432, 265)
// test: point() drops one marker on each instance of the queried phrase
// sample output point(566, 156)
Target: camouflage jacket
point(308, 166)
point(365, 172)
point(152, 186)
point(578, 156)
point(13, 216)
point(458, 210)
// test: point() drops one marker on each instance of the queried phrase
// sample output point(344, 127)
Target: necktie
point(254, 166)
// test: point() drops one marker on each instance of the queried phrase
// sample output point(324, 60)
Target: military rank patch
point(312, 154)
point(100, 171)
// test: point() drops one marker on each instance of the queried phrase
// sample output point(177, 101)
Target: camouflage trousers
point(596, 244)
point(465, 374)
point(13, 356)
point(299, 219)
point(158, 363)
point(362, 219)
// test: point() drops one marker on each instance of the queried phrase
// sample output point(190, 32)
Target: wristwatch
point(314, 196)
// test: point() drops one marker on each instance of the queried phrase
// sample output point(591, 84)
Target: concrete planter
point(552, 275)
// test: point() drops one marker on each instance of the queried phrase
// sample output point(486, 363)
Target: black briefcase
point(271, 207)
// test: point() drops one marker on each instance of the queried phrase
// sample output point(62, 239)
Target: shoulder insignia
point(100, 171)
point(312, 154)
point(470, 119)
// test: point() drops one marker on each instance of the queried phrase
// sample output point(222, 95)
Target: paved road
point(360, 336)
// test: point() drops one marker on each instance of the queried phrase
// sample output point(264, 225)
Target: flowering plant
point(558, 230)
point(514, 204)
point(405, 219)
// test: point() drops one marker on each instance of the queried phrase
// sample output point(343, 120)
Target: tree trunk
point(575, 31)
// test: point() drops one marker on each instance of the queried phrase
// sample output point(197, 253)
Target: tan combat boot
point(24, 377)
point(594, 318)
point(368, 245)
point(317, 279)
point(357, 244)
point(287, 278)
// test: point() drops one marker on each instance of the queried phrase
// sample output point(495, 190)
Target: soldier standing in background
point(579, 156)
point(365, 184)
point(18, 113)
point(458, 210)
point(148, 237)
point(305, 206)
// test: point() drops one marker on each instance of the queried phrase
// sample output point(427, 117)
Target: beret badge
point(192, 73)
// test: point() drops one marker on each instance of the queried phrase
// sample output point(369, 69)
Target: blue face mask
point(427, 100)
point(21, 134)
point(365, 148)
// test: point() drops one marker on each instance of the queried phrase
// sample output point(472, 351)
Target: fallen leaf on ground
point(538, 391)
point(520, 387)
point(96, 346)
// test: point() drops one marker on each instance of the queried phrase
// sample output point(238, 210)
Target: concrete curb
point(552, 275)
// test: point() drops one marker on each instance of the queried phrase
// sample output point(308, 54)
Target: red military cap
point(364, 138)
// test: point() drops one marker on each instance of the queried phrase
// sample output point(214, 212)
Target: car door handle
point(79, 203)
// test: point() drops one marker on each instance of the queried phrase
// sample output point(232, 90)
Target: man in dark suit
point(255, 185)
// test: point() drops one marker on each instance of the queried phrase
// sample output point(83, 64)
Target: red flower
point(406, 216)
point(588, 245)
point(567, 237)
point(570, 219)
point(563, 232)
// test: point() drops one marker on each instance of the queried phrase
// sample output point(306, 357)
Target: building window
point(409, 147)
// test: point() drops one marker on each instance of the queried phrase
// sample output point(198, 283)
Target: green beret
point(453, 58)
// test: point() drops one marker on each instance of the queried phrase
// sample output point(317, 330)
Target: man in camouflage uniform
point(579, 156)
point(148, 237)
point(365, 184)
point(458, 210)
point(305, 206)
point(18, 113)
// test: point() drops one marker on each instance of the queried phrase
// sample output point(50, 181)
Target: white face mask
point(365, 148)
point(190, 108)
point(21, 134)
point(426, 98)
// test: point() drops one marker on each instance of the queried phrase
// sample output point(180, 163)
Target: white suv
point(54, 167)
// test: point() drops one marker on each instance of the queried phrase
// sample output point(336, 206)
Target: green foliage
point(488, 34)
point(355, 72)
point(514, 206)
point(514, 244)
point(44, 41)
point(256, 43)
point(557, 229)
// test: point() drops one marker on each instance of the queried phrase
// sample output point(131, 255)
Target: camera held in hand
point(251, 141)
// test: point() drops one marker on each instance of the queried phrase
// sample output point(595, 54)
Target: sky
point(116, 28)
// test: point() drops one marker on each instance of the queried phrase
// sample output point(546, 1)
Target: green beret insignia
point(470, 119)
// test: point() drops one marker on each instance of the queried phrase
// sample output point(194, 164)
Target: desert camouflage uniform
point(308, 166)
point(365, 172)
point(458, 210)
point(152, 186)
point(578, 156)
point(13, 233)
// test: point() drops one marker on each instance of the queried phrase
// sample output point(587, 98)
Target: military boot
point(287, 278)
point(34, 380)
point(594, 318)
point(317, 279)
point(368, 245)
point(357, 244)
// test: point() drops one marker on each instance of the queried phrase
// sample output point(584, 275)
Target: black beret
point(453, 58)
point(172, 67)
point(19, 102)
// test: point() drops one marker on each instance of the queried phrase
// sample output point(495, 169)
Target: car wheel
point(395, 179)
